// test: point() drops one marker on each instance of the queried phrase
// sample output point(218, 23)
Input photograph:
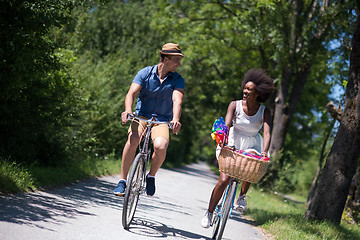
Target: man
point(160, 91)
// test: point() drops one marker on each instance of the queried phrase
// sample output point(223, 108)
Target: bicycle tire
point(133, 189)
point(226, 210)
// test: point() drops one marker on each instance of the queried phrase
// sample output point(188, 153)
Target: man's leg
point(128, 155)
point(159, 154)
point(160, 137)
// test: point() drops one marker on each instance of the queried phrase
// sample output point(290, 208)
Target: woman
point(247, 117)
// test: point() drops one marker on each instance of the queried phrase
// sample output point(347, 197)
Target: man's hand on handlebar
point(124, 117)
point(176, 125)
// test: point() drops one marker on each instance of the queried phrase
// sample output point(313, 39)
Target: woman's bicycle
point(239, 165)
point(223, 210)
point(136, 179)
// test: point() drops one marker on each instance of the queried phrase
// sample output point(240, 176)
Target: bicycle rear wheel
point(226, 211)
point(133, 189)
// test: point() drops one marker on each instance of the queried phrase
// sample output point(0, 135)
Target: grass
point(282, 217)
point(16, 178)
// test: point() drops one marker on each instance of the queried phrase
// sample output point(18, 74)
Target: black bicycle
point(136, 180)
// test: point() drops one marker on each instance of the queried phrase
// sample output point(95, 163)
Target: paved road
point(89, 210)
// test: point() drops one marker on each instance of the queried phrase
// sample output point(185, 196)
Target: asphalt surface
point(89, 210)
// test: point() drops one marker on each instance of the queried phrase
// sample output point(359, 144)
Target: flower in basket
point(219, 130)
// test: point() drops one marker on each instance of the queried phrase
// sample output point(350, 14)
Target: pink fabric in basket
point(252, 155)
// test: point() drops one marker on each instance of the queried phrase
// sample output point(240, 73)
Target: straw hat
point(171, 49)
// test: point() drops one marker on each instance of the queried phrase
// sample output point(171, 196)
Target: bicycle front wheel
point(133, 189)
point(226, 209)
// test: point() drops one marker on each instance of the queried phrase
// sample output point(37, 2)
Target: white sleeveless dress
point(244, 132)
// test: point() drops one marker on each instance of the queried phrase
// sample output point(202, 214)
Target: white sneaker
point(241, 203)
point(206, 220)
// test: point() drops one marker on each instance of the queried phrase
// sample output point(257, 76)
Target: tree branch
point(227, 9)
point(334, 111)
point(221, 75)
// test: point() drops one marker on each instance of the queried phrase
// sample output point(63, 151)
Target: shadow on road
point(57, 205)
point(150, 228)
point(235, 215)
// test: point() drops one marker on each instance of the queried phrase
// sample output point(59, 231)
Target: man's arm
point(177, 99)
point(129, 100)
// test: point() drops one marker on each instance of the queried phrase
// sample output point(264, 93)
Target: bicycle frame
point(136, 180)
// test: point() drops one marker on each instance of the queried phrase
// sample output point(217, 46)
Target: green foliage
point(119, 26)
point(111, 52)
point(103, 101)
point(280, 173)
point(92, 166)
point(14, 178)
point(36, 95)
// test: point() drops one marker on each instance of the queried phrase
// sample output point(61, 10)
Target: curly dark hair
point(264, 85)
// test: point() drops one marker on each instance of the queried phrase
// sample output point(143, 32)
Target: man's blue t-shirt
point(155, 97)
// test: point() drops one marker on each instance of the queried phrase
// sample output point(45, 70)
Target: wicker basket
point(240, 166)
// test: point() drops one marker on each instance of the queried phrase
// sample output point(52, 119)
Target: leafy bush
point(36, 100)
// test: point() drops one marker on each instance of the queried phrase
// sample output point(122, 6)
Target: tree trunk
point(353, 202)
point(336, 114)
point(281, 116)
point(285, 106)
point(330, 196)
point(319, 170)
